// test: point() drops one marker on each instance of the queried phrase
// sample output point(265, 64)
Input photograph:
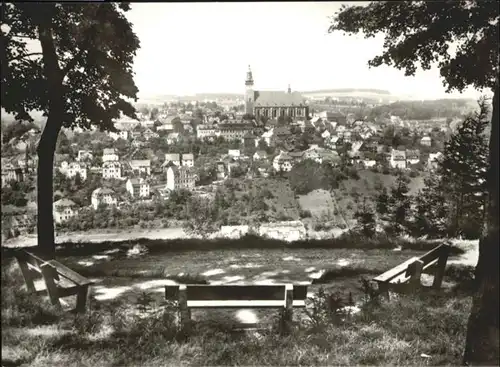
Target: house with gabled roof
point(182, 177)
point(175, 158)
point(103, 195)
point(398, 159)
point(109, 154)
point(138, 187)
point(187, 159)
point(64, 209)
point(74, 168)
point(140, 166)
point(111, 170)
point(282, 162)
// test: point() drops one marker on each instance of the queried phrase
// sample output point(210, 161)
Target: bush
point(305, 213)
point(20, 308)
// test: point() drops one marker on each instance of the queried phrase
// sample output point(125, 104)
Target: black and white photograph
point(250, 183)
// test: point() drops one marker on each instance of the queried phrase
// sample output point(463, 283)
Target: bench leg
point(383, 290)
point(27, 275)
point(184, 311)
point(287, 312)
point(47, 273)
point(415, 279)
point(440, 269)
point(81, 299)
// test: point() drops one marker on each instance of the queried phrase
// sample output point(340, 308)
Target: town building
point(233, 129)
point(221, 171)
point(74, 168)
point(268, 136)
point(426, 141)
point(412, 157)
point(149, 134)
point(175, 158)
point(182, 177)
point(260, 155)
point(138, 188)
point(282, 162)
point(120, 134)
point(84, 155)
point(187, 159)
point(109, 154)
point(11, 173)
point(103, 195)
point(273, 104)
point(206, 131)
point(140, 166)
point(233, 153)
point(172, 138)
point(433, 160)
point(112, 170)
point(398, 159)
point(64, 209)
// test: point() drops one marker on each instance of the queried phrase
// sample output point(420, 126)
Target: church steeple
point(249, 79)
point(289, 89)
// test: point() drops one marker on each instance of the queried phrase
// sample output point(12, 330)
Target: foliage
point(420, 33)
point(202, 216)
point(431, 209)
point(366, 220)
point(17, 130)
point(400, 205)
point(86, 36)
point(464, 169)
point(83, 76)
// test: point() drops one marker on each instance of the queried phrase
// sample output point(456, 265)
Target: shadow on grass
point(345, 241)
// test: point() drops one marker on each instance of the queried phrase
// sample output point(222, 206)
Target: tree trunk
point(482, 343)
point(48, 141)
point(45, 218)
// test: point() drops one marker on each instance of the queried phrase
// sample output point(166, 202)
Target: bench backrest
point(408, 267)
point(235, 292)
point(54, 268)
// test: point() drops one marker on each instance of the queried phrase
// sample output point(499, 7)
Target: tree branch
point(25, 55)
point(72, 63)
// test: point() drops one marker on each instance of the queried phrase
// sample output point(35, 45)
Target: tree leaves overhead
point(95, 45)
point(419, 33)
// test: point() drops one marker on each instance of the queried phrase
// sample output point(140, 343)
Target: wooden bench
point(196, 296)
point(407, 276)
point(60, 281)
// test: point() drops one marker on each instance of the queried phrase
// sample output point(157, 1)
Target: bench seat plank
point(235, 304)
point(243, 304)
point(70, 274)
point(394, 272)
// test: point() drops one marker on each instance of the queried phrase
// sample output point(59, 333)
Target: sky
point(189, 48)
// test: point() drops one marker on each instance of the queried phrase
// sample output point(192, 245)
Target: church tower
point(249, 92)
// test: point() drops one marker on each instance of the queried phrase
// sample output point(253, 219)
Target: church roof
point(278, 98)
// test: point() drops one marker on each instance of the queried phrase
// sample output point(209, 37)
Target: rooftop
point(278, 98)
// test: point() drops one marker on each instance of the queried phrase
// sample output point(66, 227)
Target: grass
point(408, 330)
point(250, 241)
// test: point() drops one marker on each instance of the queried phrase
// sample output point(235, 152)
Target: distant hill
point(347, 90)
point(372, 94)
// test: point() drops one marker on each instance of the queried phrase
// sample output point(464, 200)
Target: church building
point(273, 104)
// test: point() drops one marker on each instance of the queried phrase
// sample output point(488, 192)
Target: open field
point(349, 196)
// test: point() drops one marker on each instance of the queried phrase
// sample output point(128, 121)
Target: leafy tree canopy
point(94, 44)
point(421, 33)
